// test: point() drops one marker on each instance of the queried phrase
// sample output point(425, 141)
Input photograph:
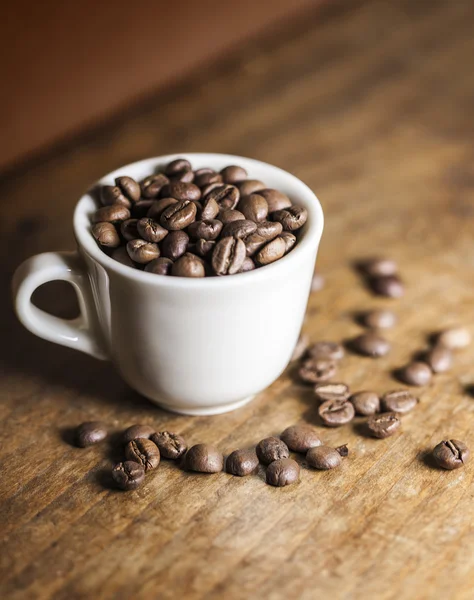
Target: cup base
point(206, 410)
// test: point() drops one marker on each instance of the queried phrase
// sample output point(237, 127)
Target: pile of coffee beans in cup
point(196, 223)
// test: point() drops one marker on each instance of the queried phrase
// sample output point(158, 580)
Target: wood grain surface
point(371, 103)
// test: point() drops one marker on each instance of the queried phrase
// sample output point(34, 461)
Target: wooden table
point(371, 103)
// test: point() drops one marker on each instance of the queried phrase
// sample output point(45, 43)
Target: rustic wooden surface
point(371, 103)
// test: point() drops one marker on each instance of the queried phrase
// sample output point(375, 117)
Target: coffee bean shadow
point(103, 477)
point(68, 436)
point(360, 428)
point(358, 317)
point(397, 374)
point(115, 448)
point(469, 390)
point(426, 457)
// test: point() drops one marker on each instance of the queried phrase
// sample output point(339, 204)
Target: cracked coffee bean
point(313, 371)
point(270, 449)
point(335, 413)
point(451, 454)
point(144, 452)
point(150, 230)
point(170, 445)
point(128, 475)
point(383, 425)
point(152, 186)
point(204, 458)
point(399, 401)
point(242, 462)
point(300, 438)
point(282, 472)
point(331, 391)
point(225, 195)
point(142, 252)
point(292, 218)
point(366, 403)
point(178, 216)
point(228, 256)
point(89, 433)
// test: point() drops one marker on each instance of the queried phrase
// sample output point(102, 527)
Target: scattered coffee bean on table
point(282, 472)
point(439, 359)
point(399, 401)
point(170, 445)
point(300, 438)
point(90, 433)
point(242, 462)
point(391, 286)
point(343, 450)
point(451, 454)
point(335, 413)
point(204, 458)
point(128, 475)
point(383, 425)
point(323, 458)
point(313, 370)
point(379, 319)
point(416, 373)
point(300, 348)
point(331, 391)
point(144, 452)
point(455, 338)
point(326, 351)
point(137, 431)
point(366, 403)
point(371, 344)
point(380, 267)
point(270, 449)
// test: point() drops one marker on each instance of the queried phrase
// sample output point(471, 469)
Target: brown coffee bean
point(282, 472)
point(209, 187)
point(270, 449)
point(152, 186)
point(116, 213)
point(318, 281)
point(230, 215)
point(178, 216)
point(366, 403)
point(141, 208)
point(300, 438)
point(121, 255)
point(159, 206)
point(269, 230)
point(205, 248)
point(129, 229)
point(271, 252)
point(180, 170)
point(204, 177)
point(300, 348)
point(451, 454)
point(112, 194)
point(455, 338)
point(253, 243)
point(90, 433)
point(380, 267)
point(239, 229)
point(188, 265)
point(228, 256)
point(390, 286)
point(313, 371)
point(254, 207)
point(371, 344)
point(250, 186)
point(292, 218)
point(439, 359)
point(206, 230)
point(380, 319)
point(290, 241)
point(275, 200)
point(416, 373)
point(175, 244)
point(160, 266)
point(383, 425)
point(204, 458)
point(225, 195)
point(326, 351)
point(182, 191)
point(137, 431)
point(233, 174)
point(325, 391)
point(150, 230)
point(399, 401)
point(335, 413)
point(170, 445)
point(142, 252)
point(323, 458)
point(128, 475)
point(343, 450)
point(209, 210)
point(247, 265)
point(106, 235)
point(144, 452)
point(242, 462)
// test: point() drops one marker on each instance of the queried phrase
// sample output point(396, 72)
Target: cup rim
point(304, 248)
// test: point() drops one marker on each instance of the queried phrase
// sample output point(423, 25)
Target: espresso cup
point(193, 346)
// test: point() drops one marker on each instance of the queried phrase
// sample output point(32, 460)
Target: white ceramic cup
point(193, 346)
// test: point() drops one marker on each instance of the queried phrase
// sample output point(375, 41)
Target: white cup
point(192, 346)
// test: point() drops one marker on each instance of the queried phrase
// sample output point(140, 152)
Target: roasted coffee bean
point(175, 244)
point(142, 252)
point(170, 445)
point(129, 230)
point(380, 319)
point(112, 194)
point(383, 425)
point(343, 450)
point(121, 255)
point(326, 351)
point(159, 206)
point(300, 438)
point(128, 475)
point(182, 191)
point(180, 170)
point(250, 186)
point(390, 286)
point(204, 248)
point(188, 265)
point(300, 348)
point(292, 218)
point(269, 230)
point(228, 256)
point(178, 216)
point(290, 241)
point(282, 472)
point(144, 452)
point(241, 462)
point(160, 266)
point(318, 281)
point(451, 454)
point(247, 265)
point(254, 207)
point(90, 433)
point(225, 195)
point(366, 403)
point(380, 267)
point(116, 213)
point(416, 373)
point(270, 449)
point(230, 215)
point(399, 401)
point(140, 209)
point(455, 338)
point(233, 174)
point(271, 252)
point(209, 209)
point(331, 391)
point(439, 359)
point(253, 243)
point(206, 230)
point(152, 186)
point(336, 412)
point(239, 229)
point(130, 188)
point(323, 458)
point(201, 179)
point(204, 458)
point(106, 235)
point(150, 230)
point(313, 371)
point(371, 344)
point(275, 200)
point(137, 431)
point(209, 187)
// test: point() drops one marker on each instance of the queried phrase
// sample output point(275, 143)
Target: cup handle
point(81, 333)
